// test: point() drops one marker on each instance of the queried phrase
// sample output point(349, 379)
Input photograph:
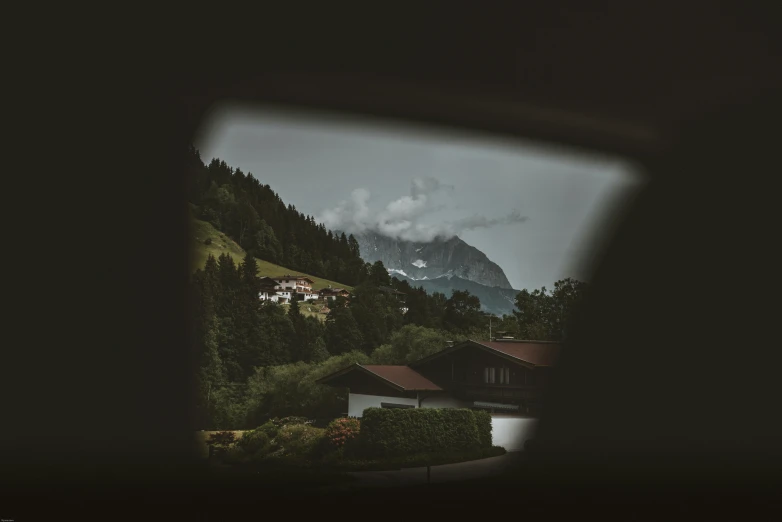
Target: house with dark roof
point(506, 377)
point(269, 291)
point(394, 292)
point(333, 293)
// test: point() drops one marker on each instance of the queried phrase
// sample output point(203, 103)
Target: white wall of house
point(286, 283)
point(294, 284)
point(511, 432)
point(443, 401)
point(358, 402)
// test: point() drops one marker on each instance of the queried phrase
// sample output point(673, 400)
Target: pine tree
point(293, 311)
point(355, 251)
point(342, 332)
point(249, 274)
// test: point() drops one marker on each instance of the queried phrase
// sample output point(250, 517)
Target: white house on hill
point(282, 289)
point(298, 284)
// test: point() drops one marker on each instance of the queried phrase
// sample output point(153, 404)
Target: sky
point(537, 212)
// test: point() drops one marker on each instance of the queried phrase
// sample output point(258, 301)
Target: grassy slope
point(315, 306)
point(221, 243)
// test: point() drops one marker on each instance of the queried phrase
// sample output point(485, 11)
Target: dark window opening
point(395, 405)
point(504, 375)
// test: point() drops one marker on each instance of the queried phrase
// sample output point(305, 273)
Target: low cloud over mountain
point(402, 218)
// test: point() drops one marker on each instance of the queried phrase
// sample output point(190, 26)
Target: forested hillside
point(252, 214)
point(207, 241)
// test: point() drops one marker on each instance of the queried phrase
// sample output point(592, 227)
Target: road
point(473, 469)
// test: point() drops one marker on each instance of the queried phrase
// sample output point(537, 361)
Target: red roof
point(535, 353)
point(538, 353)
point(402, 376)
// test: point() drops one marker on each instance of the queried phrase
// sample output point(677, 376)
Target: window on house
point(489, 375)
point(395, 405)
point(504, 375)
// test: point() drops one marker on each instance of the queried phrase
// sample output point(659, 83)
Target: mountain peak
point(440, 257)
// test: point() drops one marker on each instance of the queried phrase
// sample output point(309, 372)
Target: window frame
point(395, 405)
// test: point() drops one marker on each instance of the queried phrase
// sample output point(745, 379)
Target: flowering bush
point(341, 431)
point(222, 438)
point(220, 442)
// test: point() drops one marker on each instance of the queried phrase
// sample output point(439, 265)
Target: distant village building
point(269, 292)
point(299, 285)
point(394, 292)
point(400, 296)
point(284, 288)
point(333, 293)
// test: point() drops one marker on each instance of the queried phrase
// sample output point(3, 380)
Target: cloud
point(478, 221)
point(400, 218)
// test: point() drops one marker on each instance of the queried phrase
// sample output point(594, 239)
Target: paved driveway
point(473, 469)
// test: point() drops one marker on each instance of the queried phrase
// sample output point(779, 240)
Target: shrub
point(269, 428)
point(208, 241)
point(342, 431)
point(254, 442)
point(272, 426)
point(333, 458)
point(483, 421)
point(289, 421)
point(222, 438)
point(299, 439)
point(396, 432)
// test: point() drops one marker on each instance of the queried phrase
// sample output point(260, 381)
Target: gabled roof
point(528, 353)
point(333, 290)
point(403, 378)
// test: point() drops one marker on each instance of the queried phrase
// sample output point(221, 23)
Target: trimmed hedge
point(483, 420)
point(396, 432)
